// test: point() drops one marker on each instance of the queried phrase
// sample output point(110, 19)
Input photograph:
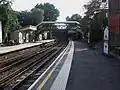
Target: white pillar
point(45, 35)
point(0, 32)
point(20, 37)
point(27, 37)
point(40, 37)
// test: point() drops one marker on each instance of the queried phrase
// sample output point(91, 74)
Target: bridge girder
point(54, 22)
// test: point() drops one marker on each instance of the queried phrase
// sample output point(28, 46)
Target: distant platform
point(8, 49)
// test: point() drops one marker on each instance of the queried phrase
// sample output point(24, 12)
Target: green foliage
point(50, 12)
point(85, 24)
point(8, 18)
point(74, 17)
point(40, 12)
point(13, 20)
point(24, 18)
point(34, 17)
point(37, 16)
point(92, 7)
point(67, 18)
point(94, 20)
point(5, 3)
point(96, 29)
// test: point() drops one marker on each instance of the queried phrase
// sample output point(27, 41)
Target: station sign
point(106, 34)
point(106, 47)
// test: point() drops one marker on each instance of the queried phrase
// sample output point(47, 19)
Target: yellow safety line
point(45, 80)
point(48, 76)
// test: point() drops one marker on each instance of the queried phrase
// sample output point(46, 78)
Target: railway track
point(17, 78)
point(23, 55)
point(23, 59)
point(9, 68)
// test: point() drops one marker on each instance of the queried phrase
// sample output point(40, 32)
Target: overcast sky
point(66, 7)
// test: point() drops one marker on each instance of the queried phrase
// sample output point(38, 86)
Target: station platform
point(80, 68)
point(8, 49)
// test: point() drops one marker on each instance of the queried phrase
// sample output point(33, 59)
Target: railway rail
point(17, 78)
point(23, 58)
point(17, 55)
point(18, 63)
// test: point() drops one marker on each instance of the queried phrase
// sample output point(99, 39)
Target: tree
point(93, 20)
point(13, 21)
point(74, 17)
point(92, 7)
point(5, 2)
point(34, 17)
point(24, 18)
point(50, 12)
point(40, 12)
point(85, 25)
point(67, 18)
point(96, 29)
point(8, 18)
point(37, 16)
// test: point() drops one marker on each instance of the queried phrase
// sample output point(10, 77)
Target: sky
point(66, 7)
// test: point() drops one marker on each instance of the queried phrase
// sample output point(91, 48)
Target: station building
point(26, 35)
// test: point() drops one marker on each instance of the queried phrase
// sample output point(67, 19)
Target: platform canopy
point(29, 28)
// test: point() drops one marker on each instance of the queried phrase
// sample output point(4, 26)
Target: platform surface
point(93, 71)
point(56, 75)
point(81, 68)
point(21, 46)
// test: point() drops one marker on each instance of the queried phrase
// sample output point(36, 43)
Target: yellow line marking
point(45, 80)
point(49, 75)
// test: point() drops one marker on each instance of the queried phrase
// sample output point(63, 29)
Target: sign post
point(106, 41)
point(113, 23)
point(107, 29)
